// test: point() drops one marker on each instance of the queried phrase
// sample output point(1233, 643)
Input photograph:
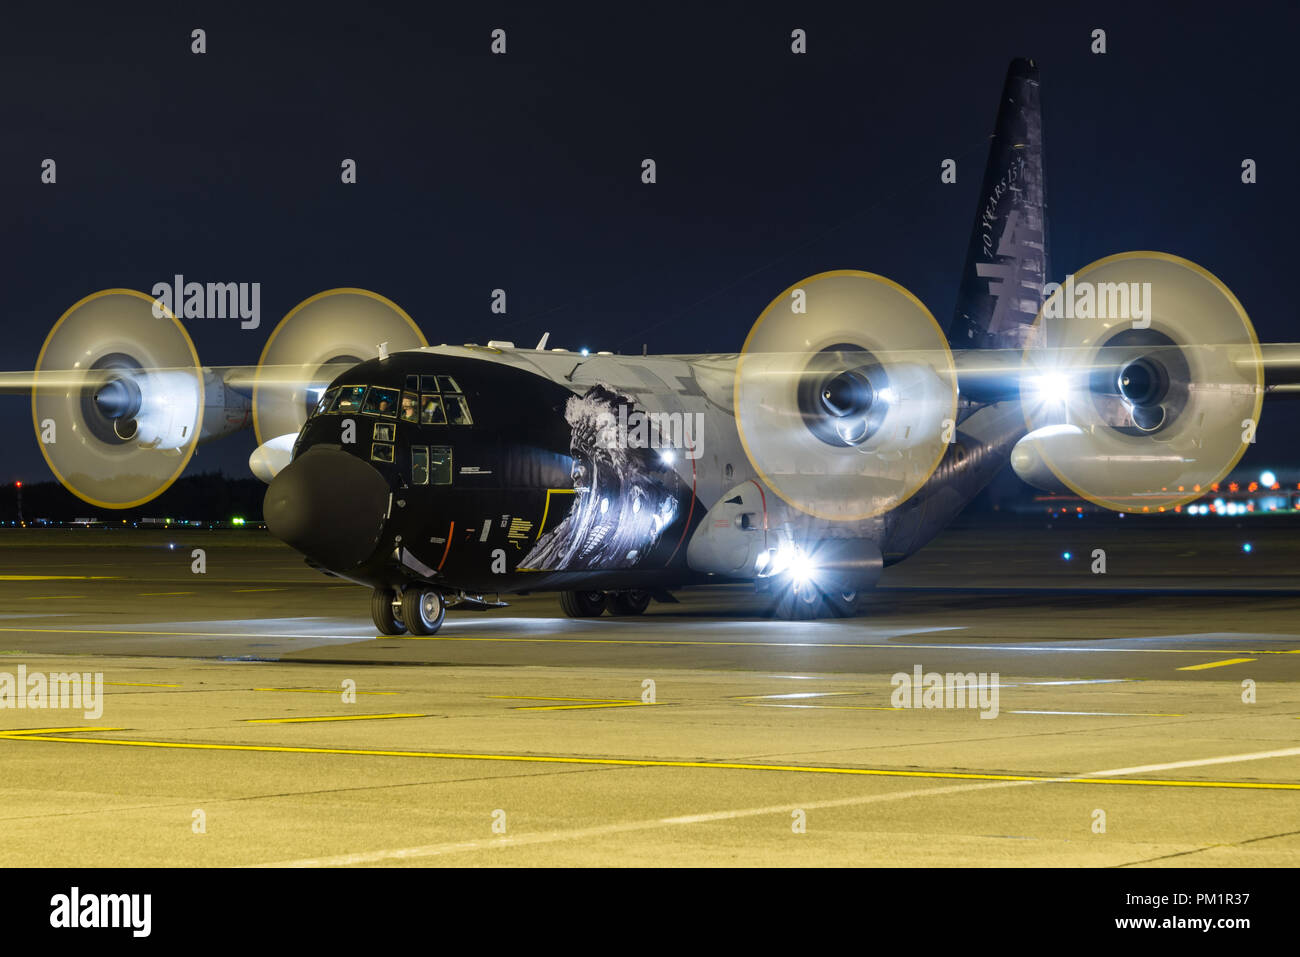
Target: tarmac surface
point(1144, 716)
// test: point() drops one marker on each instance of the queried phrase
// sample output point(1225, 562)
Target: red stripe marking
point(448, 548)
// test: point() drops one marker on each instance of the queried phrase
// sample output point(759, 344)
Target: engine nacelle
point(845, 394)
point(168, 412)
point(1139, 411)
point(118, 399)
point(1071, 450)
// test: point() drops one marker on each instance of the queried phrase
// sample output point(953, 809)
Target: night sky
point(523, 171)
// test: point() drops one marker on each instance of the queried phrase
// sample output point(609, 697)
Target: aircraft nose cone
point(329, 505)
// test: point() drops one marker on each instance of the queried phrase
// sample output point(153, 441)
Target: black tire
point(423, 610)
point(801, 602)
point(383, 612)
point(842, 604)
point(633, 602)
point(582, 604)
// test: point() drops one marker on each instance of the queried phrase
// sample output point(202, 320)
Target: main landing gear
point(803, 600)
point(417, 610)
point(590, 604)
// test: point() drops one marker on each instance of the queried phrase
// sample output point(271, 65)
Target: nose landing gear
point(805, 600)
point(417, 610)
point(385, 609)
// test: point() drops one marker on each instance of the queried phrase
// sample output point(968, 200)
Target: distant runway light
point(1267, 479)
point(1066, 555)
point(1247, 548)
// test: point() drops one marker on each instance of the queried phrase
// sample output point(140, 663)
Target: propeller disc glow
point(791, 409)
point(1205, 386)
point(338, 324)
point(108, 334)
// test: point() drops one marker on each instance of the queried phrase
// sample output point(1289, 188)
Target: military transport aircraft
point(844, 435)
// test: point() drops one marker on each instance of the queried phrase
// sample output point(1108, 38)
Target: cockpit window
point(439, 465)
point(327, 400)
point(412, 383)
point(381, 401)
point(457, 410)
point(431, 411)
point(431, 465)
point(349, 399)
point(448, 384)
point(381, 452)
point(428, 383)
point(410, 407)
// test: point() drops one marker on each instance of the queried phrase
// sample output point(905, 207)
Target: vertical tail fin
point(1006, 262)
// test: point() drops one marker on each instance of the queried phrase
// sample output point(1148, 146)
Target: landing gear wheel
point(423, 610)
point(582, 604)
point(842, 604)
point(633, 602)
point(383, 609)
point(801, 601)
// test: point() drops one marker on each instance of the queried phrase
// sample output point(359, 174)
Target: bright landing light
point(789, 560)
point(1052, 388)
point(802, 568)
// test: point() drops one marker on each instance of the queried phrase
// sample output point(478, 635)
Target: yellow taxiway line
point(325, 691)
point(59, 736)
point(57, 578)
point(339, 717)
point(1214, 664)
point(586, 702)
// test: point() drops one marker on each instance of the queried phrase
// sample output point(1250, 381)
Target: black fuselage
point(466, 484)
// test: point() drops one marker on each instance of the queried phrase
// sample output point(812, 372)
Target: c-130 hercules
point(846, 433)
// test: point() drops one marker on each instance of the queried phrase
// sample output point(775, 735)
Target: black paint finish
point(518, 473)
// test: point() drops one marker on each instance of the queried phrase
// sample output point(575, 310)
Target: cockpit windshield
point(349, 399)
point(381, 401)
point(457, 410)
point(439, 401)
point(431, 411)
point(327, 400)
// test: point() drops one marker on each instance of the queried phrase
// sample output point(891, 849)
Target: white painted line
point(1198, 763)
point(1080, 681)
point(577, 834)
point(551, 837)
